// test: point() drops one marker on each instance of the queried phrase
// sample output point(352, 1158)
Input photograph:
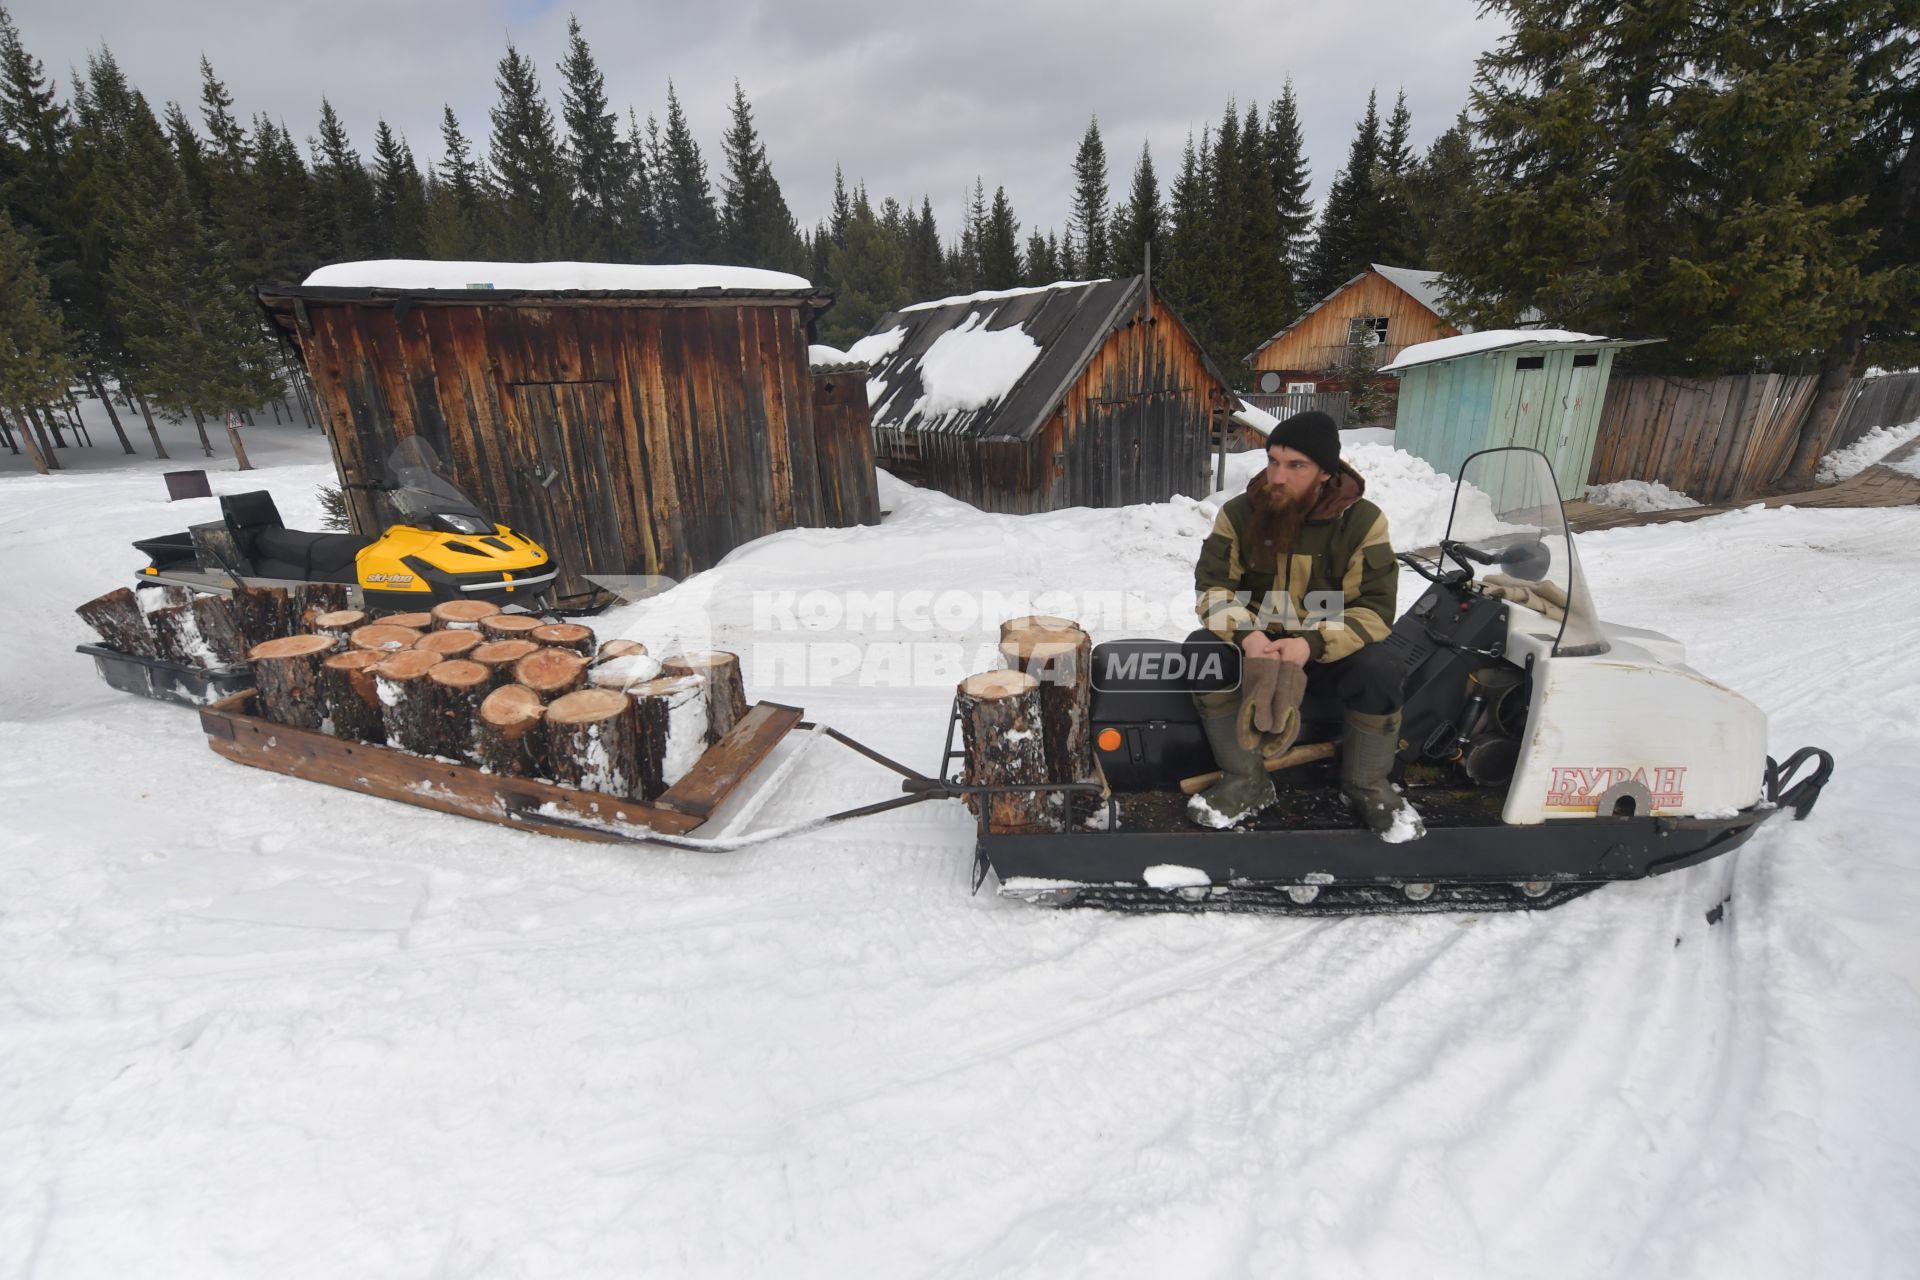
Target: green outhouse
point(1542, 388)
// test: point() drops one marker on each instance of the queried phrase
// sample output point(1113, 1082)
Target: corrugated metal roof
point(1068, 322)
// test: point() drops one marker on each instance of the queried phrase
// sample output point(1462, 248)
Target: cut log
point(407, 700)
point(510, 626)
point(670, 728)
point(623, 673)
point(726, 695)
point(610, 649)
point(351, 700)
point(286, 671)
point(551, 673)
point(462, 615)
point(219, 628)
point(590, 742)
point(339, 622)
point(316, 598)
point(177, 638)
point(1000, 732)
point(380, 637)
point(1062, 661)
point(412, 621)
point(118, 620)
point(509, 732)
point(565, 635)
point(459, 687)
point(264, 613)
point(1036, 622)
point(498, 656)
point(451, 644)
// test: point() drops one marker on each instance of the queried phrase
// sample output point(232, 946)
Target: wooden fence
point(1721, 439)
point(1332, 403)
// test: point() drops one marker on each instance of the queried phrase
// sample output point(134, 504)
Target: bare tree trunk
point(153, 433)
point(34, 455)
point(40, 431)
point(47, 422)
point(1823, 415)
point(80, 432)
point(233, 438)
point(113, 416)
point(6, 435)
point(200, 425)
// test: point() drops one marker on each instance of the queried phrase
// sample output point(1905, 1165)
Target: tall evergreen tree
point(345, 222)
point(35, 136)
point(597, 155)
point(1183, 275)
point(399, 196)
point(1088, 219)
point(1139, 220)
point(1264, 302)
point(757, 224)
point(926, 277)
point(1342, 245)
point(530, 178)
point(869, 272)
point(1292, 180)
point(1440, 189)
point(282, 243)
point(639, 207)
point(454, 199)
point(33, 361)
point(689, 224)
point(1043, 259)
point(1000, 266)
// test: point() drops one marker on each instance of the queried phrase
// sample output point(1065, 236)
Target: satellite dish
point(1270, 382)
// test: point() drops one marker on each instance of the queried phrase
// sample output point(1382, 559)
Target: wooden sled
point(236, 732)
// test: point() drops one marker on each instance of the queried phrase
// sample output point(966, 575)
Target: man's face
point(1292, 472)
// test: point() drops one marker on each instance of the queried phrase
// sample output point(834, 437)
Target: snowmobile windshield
point(1509, 529)
point(423, 495)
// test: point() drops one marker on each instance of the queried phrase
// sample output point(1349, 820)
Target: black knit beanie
point(1312, 433)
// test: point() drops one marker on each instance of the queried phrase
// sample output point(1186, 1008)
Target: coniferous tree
point(399, 196)
point(1264, 302)
point(841, 215)
point(639, 209)
point(1439, 190)
point(1088, 219)
point(1184, 277)
point(1287, 158)
point(926, 277)
point(345, 223)
point(1394, 237)
point(1340, 247)
point(1138, 221)
point(1043, 259)
point(35, 139)
point(454, 199)
point(282, 243)
point(689, 224)
point(33, 361)
point(757, 224)
point(1000, 266)
point(530, 180)
point(869, 272)
point(597, 156)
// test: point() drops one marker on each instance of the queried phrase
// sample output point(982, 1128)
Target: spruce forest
point(1737, 177)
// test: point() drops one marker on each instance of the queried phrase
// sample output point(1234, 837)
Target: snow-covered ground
point(1844, 464)
point(251, 1026)
point(1638, 495)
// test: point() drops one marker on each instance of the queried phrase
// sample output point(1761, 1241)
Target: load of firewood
point(170, 623)
point(1029, 723)
point(506, 693)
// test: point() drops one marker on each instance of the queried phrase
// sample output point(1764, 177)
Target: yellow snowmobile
point(440, 547)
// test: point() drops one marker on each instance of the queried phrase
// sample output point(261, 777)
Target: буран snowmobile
point(440, 547)
point(1548, 752)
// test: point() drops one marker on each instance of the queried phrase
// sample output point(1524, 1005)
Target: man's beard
point(1277, 520)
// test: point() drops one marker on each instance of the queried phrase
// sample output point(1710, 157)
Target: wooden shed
point(1081, 394)
point(1542, 388)
point(1385, 308)
point(632, 431)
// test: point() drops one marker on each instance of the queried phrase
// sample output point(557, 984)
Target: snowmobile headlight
point(459, 523)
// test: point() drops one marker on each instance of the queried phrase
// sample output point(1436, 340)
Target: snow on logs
point(719, 674)
point(1000, 732)
point(591, 742)
point(118, 620)
point(1059, 655)
point(286, 675)
point(670, 726)
point(340, 622)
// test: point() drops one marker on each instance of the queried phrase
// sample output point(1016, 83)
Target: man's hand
point(1257, 644)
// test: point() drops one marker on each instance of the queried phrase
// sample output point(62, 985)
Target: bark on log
point(551, 673)
point(462, 615)
point(419, 621)
point(118, 620)
point(565, 635)
point(725, 693)
point(510, 626)
point(670, 729)
point(316, 598)
point(459, 687)
point(1000, 730)
point(498, 656)
point(623, 673)
point(379, 637)
point(619, 649)
point(1062, 661)
point(286, 674)
point(264, 613)
point(351, 700)
point(220, 629)
point(177, 638)
point(590, 742)
point(509, 732)
point(407, 700)
point(339, 622)
point(451, 644)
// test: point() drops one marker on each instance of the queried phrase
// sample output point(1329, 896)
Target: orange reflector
point(1109, 739)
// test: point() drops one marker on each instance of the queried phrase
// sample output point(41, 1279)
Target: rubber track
point(1334, 900)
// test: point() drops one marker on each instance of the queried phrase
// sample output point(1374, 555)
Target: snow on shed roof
point(1422, 286)
point(1468, 344)
point(624, 277)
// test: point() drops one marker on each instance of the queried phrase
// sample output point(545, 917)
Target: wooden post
point(590, 742)
point(462, 615)
point(1000, 731)
point(380, 637)
point(407, 700)
point(509, 731)
point(286, 673)
point(725, 694)
point(551, 673)
point(459, 687)
point(351, 700)
point(670, 728)
point(120, 622)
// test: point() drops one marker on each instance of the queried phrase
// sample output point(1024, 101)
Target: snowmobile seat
point(312, 557)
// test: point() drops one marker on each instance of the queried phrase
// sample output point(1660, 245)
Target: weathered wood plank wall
point(1319, 342)
point(843, 439)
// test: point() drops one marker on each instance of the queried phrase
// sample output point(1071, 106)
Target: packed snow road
point(252, 1026)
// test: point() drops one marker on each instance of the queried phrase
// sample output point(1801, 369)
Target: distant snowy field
point(251, 1026)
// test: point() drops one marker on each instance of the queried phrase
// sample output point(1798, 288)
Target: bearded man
point(1302, 537)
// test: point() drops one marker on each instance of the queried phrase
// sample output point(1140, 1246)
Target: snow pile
point(970, 367)
point(1844, 464)
point(1467, 344)
point(1259, 419)
point(876, 347)
point(416, 273)
point(1415, 498)
point(1638, 495)
point(994, 295)
point(820, 354)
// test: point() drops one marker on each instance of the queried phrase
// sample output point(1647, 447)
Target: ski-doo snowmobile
point(440, 546)
point(1547, 751)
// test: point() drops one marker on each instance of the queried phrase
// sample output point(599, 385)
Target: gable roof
point(1422, 286)
point(1067, 323)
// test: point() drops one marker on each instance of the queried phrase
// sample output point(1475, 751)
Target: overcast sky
point(914, 99)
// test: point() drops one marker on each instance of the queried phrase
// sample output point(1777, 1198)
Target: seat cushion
point(321, 557)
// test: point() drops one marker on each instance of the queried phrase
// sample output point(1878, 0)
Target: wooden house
point(1083, 394)
point(644, 430)
point(1386, 309)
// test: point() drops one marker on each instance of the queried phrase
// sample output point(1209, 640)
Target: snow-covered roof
point(994, 295)
point(1468, 344)
point(1422, 286)
point(1259, 419)
point(624, 277)
point(822, 358)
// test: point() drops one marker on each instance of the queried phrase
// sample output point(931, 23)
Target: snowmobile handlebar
point(1801, 795)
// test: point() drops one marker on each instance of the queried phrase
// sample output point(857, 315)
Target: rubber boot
point(1244, 788)
point(1366, 757)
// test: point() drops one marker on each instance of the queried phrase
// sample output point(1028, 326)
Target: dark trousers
point(1368, 681)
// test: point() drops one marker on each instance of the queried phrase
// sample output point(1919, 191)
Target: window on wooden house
point(1300, 388)
point(1367, 331)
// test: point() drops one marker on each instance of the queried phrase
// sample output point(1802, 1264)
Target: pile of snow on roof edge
point(420, 273)
point(994, 295)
